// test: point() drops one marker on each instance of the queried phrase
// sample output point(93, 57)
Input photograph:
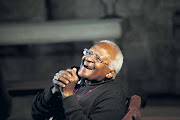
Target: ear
point(111, 74)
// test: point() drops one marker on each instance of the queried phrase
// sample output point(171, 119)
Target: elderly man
point(86, 93)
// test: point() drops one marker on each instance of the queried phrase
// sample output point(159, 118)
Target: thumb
point(74, 73)
point(75, 70)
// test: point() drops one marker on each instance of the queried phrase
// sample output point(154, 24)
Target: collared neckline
point(93, 83)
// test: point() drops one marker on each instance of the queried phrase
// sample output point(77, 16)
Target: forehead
point(104, 50)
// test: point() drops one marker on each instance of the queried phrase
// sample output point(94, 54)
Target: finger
point(62, 84)
point(59, 83)
point(61, 72)
point(62, 76)
point(66, 72)
point(74, 70)
point(69, 71)
point(63, 80)
point(55, 81)
point(66, 77)
point(55, 77)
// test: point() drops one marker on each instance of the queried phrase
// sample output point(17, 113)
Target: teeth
point(89, 68)
point(86, 66)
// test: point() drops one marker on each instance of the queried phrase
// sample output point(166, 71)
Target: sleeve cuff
point(49, 97)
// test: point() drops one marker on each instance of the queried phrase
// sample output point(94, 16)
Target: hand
point(65, 82)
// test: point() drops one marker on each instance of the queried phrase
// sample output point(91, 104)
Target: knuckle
point(62, 85)
point(64, 75)
point(73, 80)
point(55, 77)
point(57, 74)
point(55, 82)
point(76, 78)
point(68, 69)
point(60, 77)
point(66, 82)
point(61, 71)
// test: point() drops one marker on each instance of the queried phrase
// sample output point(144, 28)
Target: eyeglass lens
point(88, 52)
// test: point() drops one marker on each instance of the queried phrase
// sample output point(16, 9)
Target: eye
point(90, 52)
point(98, 58)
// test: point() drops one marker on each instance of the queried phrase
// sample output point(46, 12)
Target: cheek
point(80, 72)
point(100, 74)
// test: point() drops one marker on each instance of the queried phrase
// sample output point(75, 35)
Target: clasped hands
point(64, 81)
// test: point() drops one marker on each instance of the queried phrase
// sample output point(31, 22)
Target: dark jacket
point(95, 101)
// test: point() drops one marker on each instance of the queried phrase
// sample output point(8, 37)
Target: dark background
point(150, 44)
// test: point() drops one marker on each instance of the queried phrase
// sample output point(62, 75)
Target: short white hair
point(117, 63)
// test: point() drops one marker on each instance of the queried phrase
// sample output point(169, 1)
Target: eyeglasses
point(90, 52)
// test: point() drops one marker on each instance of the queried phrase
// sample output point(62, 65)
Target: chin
point(84, 74)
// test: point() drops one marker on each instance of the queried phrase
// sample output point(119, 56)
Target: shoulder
point(112, 89)
point(111, 94)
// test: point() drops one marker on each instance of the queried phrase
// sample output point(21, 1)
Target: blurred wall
point(149, 47)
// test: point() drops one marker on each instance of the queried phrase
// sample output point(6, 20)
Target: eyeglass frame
point(90, 52)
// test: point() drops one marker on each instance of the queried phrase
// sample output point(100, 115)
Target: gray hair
point(117, 63)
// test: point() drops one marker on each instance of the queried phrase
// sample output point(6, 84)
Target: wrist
point(55, 90)
point(49, 96)
point(67, 94)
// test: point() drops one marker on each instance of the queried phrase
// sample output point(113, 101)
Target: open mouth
point(86, 65)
